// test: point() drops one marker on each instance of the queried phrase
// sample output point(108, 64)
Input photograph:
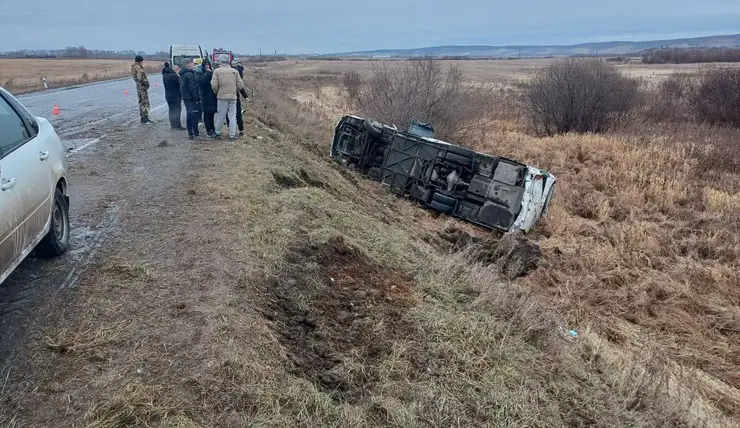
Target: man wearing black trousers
point(208, 100)
point(171, 83)
point(191, 97)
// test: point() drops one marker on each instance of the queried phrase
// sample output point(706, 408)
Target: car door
point(25, 182)
point(11, 136)
point(37, 183)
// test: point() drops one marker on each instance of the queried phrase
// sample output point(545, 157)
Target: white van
point(178, 53)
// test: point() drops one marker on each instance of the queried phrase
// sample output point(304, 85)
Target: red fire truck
point(216, 52)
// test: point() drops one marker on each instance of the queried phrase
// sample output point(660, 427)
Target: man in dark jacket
point(208, 100)
point(171, 83)
point(239, 119)
point(191, 97)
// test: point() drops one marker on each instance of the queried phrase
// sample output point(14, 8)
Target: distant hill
point(603, 48)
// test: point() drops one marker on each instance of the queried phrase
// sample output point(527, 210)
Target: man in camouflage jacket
point(142, 88)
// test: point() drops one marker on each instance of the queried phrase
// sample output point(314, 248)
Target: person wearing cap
point(142, 88)
point(226, 84)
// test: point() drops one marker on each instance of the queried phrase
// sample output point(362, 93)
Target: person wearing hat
point(142, 88)
point(226, 84)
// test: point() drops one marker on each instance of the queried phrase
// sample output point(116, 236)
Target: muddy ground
point(126, 191)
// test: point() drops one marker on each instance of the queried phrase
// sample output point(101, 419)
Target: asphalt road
point(87, 111)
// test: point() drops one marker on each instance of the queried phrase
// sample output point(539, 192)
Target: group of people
point(209, 92)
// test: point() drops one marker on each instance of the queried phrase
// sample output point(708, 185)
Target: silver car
point(34, 203)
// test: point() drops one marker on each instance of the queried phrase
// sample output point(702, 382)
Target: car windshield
point(178, 60)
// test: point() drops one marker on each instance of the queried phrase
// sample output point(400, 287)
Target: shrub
point(422, 89)
point(668, 102)
point(715, 98)
point(352, 82)
point(578, 95)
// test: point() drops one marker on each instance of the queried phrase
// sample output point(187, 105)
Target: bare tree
point(578, 95)
point(422, 89)
point(352, 82)
point(715, 97)
point(691, 55)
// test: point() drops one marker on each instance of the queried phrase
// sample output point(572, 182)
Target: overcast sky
point(326, 26)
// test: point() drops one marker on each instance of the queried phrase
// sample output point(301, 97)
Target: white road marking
point(84, 101)
point(86, 145)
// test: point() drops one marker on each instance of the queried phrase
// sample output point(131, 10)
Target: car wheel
point(56, 242)
point(444, 209)
point(444, 199)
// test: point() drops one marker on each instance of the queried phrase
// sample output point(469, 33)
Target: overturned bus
point(490, 191)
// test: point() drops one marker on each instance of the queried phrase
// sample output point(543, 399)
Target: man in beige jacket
point(226, 84)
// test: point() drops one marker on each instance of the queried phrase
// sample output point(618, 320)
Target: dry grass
point(311, 297)
point(492, 71)
point(642, 245)
point(24, 75)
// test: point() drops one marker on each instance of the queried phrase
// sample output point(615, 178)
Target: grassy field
point(475, 71)
point(24, 75)
point(309, 296)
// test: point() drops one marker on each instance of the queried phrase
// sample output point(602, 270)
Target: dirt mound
point(512, 252)
point(337, 314)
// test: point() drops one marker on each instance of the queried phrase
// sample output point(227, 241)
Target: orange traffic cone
point(125, 92)
point(55, 111)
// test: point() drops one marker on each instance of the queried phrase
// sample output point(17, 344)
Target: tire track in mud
point(36, 279)
point(87, 244)
point(99, 201)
